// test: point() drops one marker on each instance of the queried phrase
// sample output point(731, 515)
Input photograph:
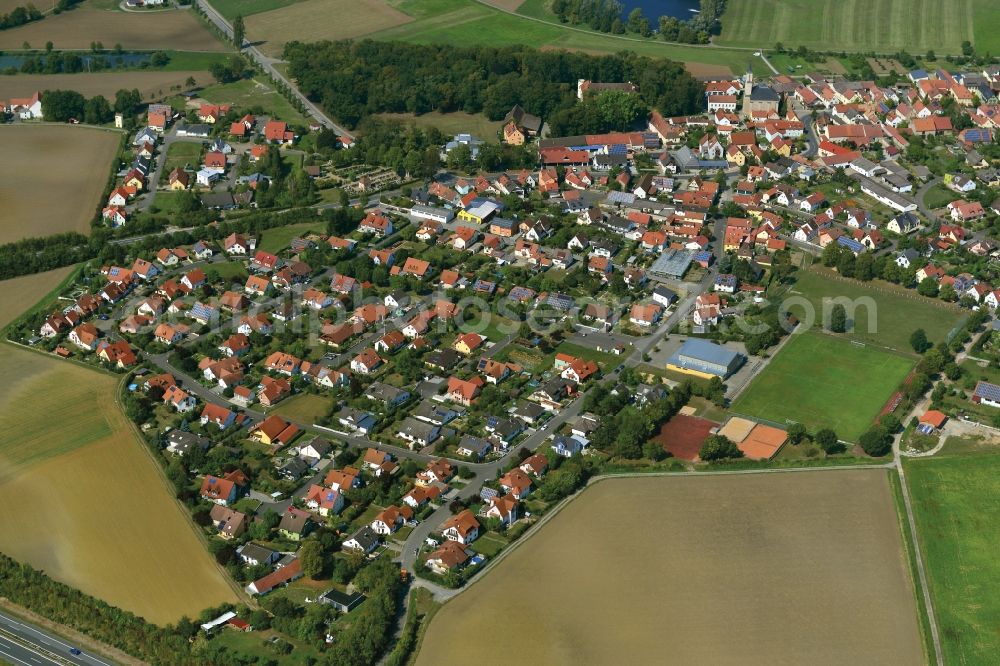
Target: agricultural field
point(178, 30)
point(784, 566)
point(72, 163)
point(150, 84)
point(822, 372)
point(18, 293)
point(471, 23)
point(852, 25)
point(887, 319)
point(233, 8)
point(956, 501)
point(83, 501)
point(314, 20)
point(450, 123)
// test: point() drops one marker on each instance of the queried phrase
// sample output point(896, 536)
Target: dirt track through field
point(793, 568)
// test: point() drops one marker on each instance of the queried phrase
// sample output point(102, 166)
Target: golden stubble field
point(52, 178)
point(791, 568)
point(150, 84)
point(81, 499)
point(314, 20)
point(179, 30)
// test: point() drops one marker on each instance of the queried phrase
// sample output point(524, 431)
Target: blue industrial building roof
point(703, 356)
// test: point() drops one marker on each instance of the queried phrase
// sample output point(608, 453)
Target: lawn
point(232, 270)
point(167, 201)
point(939, 196)
point(278, 238)
point(470, 23)
point(818, 554)
point(254, 94)
point(70, 471)
point(450, 123)
point(603, 359)
point(182, 154)
point(956, 501)
point(885, 314)
point(56, 182)
point(859, 25)
point(822, 372)
point(304, 408)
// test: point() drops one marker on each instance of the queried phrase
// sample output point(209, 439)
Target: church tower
point(747, 90)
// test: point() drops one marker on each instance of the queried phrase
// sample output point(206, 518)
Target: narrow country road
point(267, 64)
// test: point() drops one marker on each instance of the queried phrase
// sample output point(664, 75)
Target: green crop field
point(885, 314)
point(879, 25)
point(471, 23)
point(814, 380)
point(231, 8)
point(956, 500)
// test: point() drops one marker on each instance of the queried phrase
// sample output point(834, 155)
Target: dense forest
point(353, 80)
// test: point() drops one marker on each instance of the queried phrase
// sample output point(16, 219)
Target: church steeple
point(747, 90)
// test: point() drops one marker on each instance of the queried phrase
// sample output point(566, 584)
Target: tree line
point(354, 80)
point(28, 587)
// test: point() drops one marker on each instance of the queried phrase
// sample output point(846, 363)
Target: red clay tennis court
point(682, 436)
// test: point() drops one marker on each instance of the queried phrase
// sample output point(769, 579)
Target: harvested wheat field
point(150, 84)
point(178, 30)
point(55, 180)
point(788, 568)
point(83, 501)
point(20, 293)
point(314, 20)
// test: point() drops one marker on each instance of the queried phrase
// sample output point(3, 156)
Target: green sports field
point(885, 314)
point(816, 380)
point(883, 26)
point(956, 501)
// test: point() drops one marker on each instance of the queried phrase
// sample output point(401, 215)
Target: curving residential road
point(267, 64)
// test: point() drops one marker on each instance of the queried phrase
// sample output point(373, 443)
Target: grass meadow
point(783, 565)
point(816, 380)
point(895, 313)
point(64, 166)
point(855, 25)
point(314, 20)
point(471, 23)
point(956, 501)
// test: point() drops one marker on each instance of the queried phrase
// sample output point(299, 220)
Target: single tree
point(239, 31)
point(311, 558)
point(827, 440)
point(918, 340)
point(838, 319)
point(719, 447)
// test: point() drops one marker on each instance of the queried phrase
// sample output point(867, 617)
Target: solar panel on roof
point(989, 391)
point(618, 149)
